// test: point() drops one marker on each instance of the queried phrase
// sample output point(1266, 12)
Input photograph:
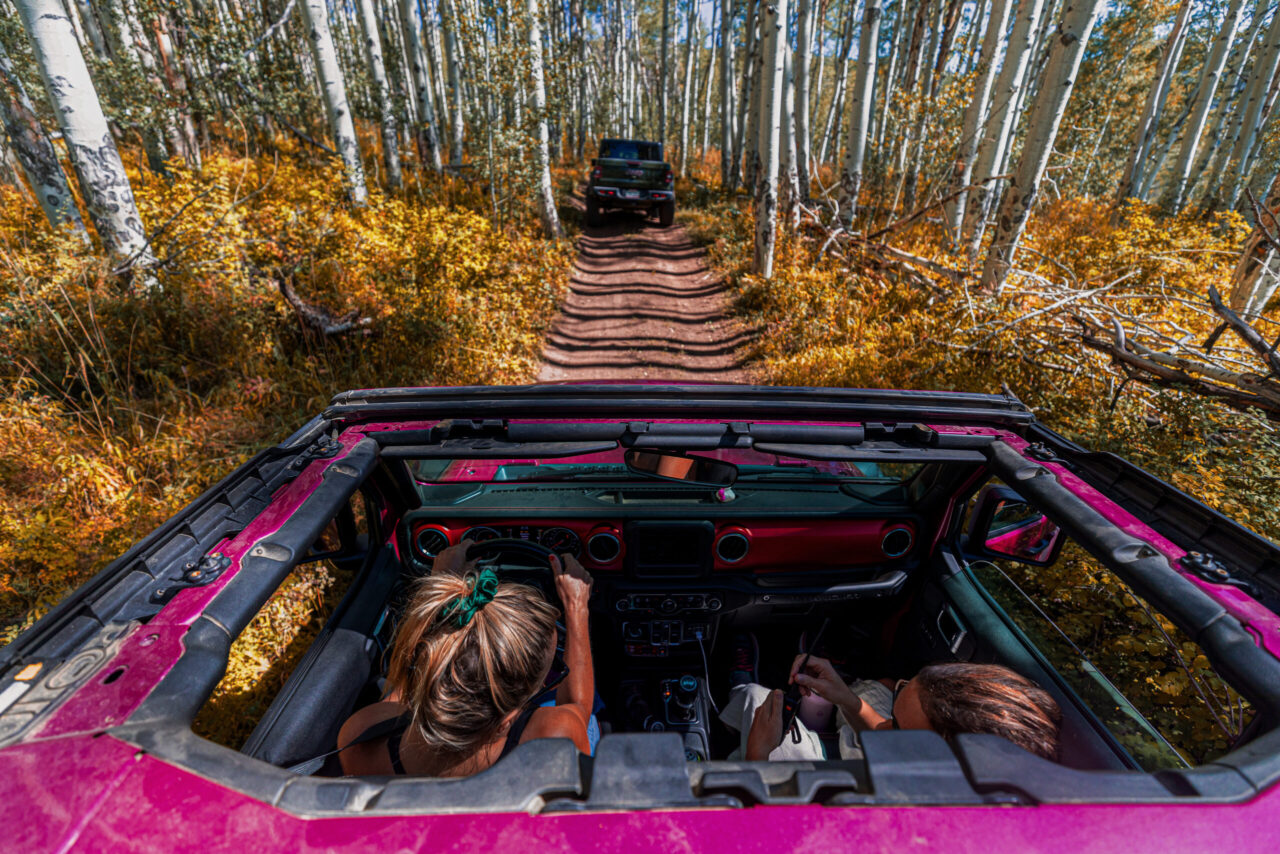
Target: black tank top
point(395, 728)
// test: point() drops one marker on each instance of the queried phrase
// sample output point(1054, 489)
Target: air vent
point(897, 542)
point(430, 542)
point(603, 547)
point(732, 547)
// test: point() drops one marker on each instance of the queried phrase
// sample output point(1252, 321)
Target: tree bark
point(726, 92)
point(788, 183)
point(99, 170)
point(35, 152)
point(382, 92)
point(998, 135)
point(1257, 275)
point(744, 132)
point(974, 113)
point(1209, 77)
point(1251, 116)
point(546, 195)
point(315, 16)
point(1066, 51)
point(861, 100)
point(690, 58)
point(804, 45)
point(449, 25)
point(664, 73)
point(427, 138)
point(1145, 131)
point(773, 20)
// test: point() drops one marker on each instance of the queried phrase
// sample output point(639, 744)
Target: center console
point(677, 704)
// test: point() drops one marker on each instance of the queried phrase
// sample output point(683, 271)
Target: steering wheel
point(521, 561)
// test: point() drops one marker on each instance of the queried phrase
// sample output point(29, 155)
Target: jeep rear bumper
point(626, 197)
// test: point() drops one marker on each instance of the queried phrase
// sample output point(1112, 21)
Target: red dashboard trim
point(776, 545)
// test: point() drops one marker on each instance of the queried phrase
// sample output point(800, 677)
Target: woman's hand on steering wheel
point(573, 583)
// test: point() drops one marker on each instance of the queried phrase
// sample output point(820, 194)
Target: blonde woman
point(470, 660)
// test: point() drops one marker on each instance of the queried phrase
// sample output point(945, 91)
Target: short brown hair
point(460, 682)
point(987, 698)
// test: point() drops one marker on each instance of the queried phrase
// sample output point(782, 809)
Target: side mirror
point(1007, 526)
point(700, 471)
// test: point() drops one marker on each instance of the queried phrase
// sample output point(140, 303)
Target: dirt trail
point(643, 305)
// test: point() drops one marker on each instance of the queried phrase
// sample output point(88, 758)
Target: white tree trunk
point(726, 92)
point(449, 24)
point(92, 29)
point(664, 74)
point(35, 152)
point(861, 100)
point(690, 59)
point(804, 45)
point(744, 131)
point(99, 170)
point(773, 20)
point(1257, 275)
point(1145, 131)
point(1252, 115)
point(1209, 77)
point(315, 16)
point(998, 134)
point(974, 115)
point(382, 91)
point(428, 139)
point(1066, 51)
point(788, 183)
point(546, 195)
point(751, 156)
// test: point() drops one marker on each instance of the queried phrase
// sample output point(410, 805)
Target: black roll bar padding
point(1249, 669)
point(207, 643)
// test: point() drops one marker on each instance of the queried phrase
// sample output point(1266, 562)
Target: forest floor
point(643, 304)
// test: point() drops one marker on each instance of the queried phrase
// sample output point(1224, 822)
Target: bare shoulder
point(566, 721)
point(362, 719)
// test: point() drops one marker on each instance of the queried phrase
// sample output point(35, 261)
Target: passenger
point(948, 698)
point(469, 662)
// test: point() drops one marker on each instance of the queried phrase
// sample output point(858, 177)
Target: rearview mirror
point(700, 471)
point(1007, 526)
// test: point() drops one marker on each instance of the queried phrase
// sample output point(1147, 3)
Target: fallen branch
point(1246, 332)
point(318, 319)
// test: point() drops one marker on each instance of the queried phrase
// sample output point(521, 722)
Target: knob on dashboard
point(714, 604)
point(668, 606)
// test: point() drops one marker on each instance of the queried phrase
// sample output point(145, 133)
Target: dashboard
point(687, 548)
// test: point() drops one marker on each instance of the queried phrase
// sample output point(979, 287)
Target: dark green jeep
point(630, 173)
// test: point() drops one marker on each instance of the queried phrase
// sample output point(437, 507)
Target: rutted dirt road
point(643, 305)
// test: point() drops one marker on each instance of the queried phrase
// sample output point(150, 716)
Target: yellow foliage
point(120, 406)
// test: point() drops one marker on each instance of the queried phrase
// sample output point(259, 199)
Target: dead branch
point(1246, 332)
point(318, 319)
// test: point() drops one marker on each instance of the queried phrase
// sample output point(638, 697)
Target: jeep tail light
point(596, 173)
point(668, 178)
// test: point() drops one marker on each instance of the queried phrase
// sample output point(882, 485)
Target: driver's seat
point(303, 720)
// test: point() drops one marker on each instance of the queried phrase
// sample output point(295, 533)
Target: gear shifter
point(681, 698)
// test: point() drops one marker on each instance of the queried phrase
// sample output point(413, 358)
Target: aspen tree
point(1257, 275)
point(861, 100)
point(428, 140)
point(804, 44)
point(546, 196)
point(744, 134)
point(690, 36)
point(1210, 75)
point(1145, 131)
point(664, 84)
point(1252, 112)
point(970, 131)
point(997, 137)
point(382, 91)
point(788, 183)
point(726, 92)
point(35, 152)
point(1066, 51)
point(315, 16)
point(449, 26)
point(773, 19)
point(99, 170)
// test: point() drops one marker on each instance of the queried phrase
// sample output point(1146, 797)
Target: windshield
point(753, 467)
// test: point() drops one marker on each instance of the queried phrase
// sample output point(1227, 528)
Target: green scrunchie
point(462, 608)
